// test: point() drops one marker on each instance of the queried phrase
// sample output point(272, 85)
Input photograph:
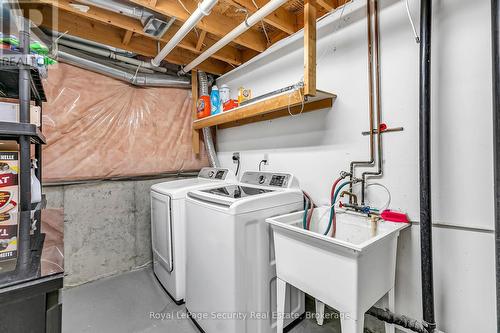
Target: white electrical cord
point(417, 39)
point(389, 198)
point(263, 26)
point(189, 12)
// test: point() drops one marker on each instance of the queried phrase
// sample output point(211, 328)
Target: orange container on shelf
point(203, 108)
point(230, 104)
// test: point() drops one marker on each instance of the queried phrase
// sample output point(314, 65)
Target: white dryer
point(231, 275)
point(168, 227)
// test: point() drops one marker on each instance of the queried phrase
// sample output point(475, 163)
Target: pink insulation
point(98, 127)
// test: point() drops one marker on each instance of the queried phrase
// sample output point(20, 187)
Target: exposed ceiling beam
point(127, 37)
point(201, 39)
point(215, 23)
point(228, 54)
point(280, 19)
point(329, 5)
point(104, 33)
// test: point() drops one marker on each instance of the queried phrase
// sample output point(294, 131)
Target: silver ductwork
point(207, 131)
point(82, 60)
point(152, 23)
point(110, 54)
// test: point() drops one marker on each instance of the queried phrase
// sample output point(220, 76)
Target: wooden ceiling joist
point(127, 37)
point(228, 54)
point(329, 5)
point(216, 24)
point(280, 19)
point(201, 39)
point(79, 26)
point(124, 32)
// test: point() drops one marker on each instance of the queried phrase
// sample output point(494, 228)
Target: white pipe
point(203, 9)
point(259, 15)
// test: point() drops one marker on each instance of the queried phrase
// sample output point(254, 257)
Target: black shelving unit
point(29, 300)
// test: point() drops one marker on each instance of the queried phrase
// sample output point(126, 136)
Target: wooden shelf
point(269, 108)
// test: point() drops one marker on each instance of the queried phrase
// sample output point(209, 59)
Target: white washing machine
point(168, 227)
point(231, 275)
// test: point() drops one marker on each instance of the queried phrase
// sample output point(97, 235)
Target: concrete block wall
point(106, 227)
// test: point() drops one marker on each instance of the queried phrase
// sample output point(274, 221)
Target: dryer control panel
point(213, 173)
point(272, 179)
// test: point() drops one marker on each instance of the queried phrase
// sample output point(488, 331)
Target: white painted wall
point(317, 146)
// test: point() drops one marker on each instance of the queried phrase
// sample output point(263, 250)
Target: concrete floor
point(123, 304)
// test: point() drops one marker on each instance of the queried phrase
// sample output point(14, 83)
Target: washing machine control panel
point(267, 179)
point(213, 173)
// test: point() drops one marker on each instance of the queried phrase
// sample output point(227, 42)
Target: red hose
point(333, 188)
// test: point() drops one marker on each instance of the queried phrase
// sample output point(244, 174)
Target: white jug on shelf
point(36, 187)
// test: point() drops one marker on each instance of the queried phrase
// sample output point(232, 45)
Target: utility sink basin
point(350, 272)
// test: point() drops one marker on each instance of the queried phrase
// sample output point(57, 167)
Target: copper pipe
point(379, 171)
point(351, 195)
point(370, 93)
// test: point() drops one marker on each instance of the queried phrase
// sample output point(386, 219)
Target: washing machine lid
point(236, 191)
point(239, 198)
point(177, 189)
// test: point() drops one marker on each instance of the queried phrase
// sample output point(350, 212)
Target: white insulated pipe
point(259, 15)
point(203, 9)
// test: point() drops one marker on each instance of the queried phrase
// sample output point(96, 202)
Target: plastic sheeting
point(99, 128)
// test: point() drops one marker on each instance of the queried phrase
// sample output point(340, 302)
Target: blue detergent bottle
point(215, 100)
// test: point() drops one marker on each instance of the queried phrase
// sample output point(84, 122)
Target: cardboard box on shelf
point(8, 237)
point(9, 111)
point(9, 177)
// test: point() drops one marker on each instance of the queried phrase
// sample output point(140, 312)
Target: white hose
point(389, 198)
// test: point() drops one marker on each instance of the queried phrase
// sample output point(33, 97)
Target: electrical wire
point(263, 25)
point(260, 164)
point(417, 38)
point(389, 198)
point(189, 12)
point(301, 98)
point(238, 168)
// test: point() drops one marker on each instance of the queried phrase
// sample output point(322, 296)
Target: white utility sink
point(350, 272)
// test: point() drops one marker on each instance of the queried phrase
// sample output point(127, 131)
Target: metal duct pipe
point(88, 42)
point(138, 13)
point(203, 9)
point(259, 15)
point(425, 165)
point(495, 41)
point(110, 54)
point(140, 79)
point(152, 25)
point(207, 131)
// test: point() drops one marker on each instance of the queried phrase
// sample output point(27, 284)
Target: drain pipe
point(207, 131)
point(495, 41)
point(425, 165)
point(84, 61)
point(203, 10)
point(259, 15)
